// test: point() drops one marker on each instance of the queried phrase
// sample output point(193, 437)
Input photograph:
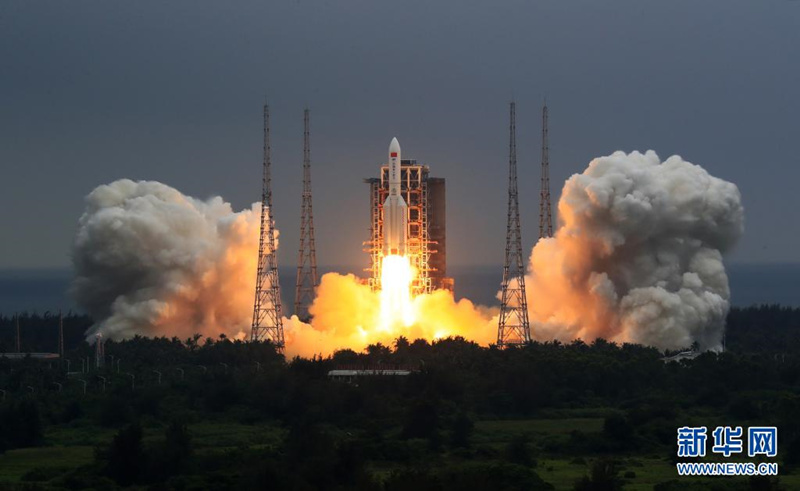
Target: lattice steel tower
point(307, 257)
point(267, 315)
point(513, 327)
point(545, 212)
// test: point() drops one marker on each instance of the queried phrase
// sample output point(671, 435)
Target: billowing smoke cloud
point(637, 258)
point(152, 261)
point(638, 255)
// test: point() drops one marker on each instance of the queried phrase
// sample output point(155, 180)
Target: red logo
point(394, 154)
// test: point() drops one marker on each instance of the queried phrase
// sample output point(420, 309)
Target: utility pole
point(60, 335)
point(19, 338)
point(513, 327)
point(99, 351)
point(307, 257)
point(267, 316)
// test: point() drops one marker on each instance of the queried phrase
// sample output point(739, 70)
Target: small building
point(33, 356)
point(349, 375)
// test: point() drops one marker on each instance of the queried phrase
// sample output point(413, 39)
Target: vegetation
point(233, 415)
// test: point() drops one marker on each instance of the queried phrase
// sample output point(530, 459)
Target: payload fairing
point(395, 210)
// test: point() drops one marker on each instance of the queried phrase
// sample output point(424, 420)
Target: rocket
point(395, 210)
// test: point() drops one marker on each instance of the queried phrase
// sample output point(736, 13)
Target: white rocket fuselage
point(395, 210)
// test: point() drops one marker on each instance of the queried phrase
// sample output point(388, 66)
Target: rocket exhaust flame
point(396, 305)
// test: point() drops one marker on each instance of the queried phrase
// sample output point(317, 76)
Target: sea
point(47, 290)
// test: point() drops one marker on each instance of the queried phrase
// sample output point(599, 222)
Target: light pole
point(205, 370)
point(226, 366)
point(118, 361)
point(133, 380)
point(32, 389)
point(84, 385)
point(104, 381)
point(68, 364)
point(258, 366)
point(159, 376)
point(182, 372)
point(60, 386)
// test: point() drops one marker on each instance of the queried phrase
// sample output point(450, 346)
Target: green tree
point(20, 424)
point(462, 430)
point(125, 460)
point(602, 477)
point(518, 451)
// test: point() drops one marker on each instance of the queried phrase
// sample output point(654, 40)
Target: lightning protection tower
point(267, 316)
point(513, 327)
point(307, 257)
point(545, 212)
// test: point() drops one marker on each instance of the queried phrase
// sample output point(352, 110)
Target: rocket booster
point(395, 210)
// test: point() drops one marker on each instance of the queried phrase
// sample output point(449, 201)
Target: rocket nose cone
point(394, 146)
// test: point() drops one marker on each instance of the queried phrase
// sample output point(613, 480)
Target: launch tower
point(426, 227)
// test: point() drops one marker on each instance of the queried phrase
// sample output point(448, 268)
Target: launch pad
point(425, 226)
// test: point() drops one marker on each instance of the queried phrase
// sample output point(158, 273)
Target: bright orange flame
point(396, 306)
point(347, 313)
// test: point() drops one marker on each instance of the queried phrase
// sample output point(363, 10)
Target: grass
point(15, 463)
point(499, 432)
point(71, 446)
point(562, 474)
point(212, 435)
point(502, 428)
point(80, 434)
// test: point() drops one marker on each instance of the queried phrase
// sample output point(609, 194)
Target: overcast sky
point(94, 91)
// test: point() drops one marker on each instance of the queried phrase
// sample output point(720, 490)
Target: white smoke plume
point(637, 258)
point(638, 255)
point(151, 261)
